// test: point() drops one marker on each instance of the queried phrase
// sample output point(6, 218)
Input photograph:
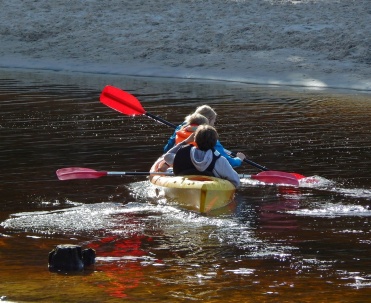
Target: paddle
point(127, 104)
point(71, 173)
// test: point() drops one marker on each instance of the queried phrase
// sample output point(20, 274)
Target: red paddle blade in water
point(71, 173)
point(298, 176)
point(121, 101)
point(276, 177)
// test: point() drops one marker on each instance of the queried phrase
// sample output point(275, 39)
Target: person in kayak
point(211, 115)
point(190, 125)
point(204, 159)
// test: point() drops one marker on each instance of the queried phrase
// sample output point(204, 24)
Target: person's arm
point(171, 142)
point(235, 162)
point(224, 170)
point(170, 155)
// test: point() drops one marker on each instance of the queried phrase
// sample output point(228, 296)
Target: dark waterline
point(308, 245)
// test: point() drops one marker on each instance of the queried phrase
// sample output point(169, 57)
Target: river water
point(272, 244)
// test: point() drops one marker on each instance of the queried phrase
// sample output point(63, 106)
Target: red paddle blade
point(297, 176)
point(71, 173)
point(276, 177)
point(121, 101)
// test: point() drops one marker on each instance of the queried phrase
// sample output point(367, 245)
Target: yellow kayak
point(198, 193)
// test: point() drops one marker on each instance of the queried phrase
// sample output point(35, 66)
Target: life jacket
point(183, 134)
point(183, 164)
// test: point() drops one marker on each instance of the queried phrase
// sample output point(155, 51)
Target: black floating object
point(88, 256)
point(69, 257)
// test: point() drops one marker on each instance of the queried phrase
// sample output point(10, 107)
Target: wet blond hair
point(206, 111)
point(196, 118)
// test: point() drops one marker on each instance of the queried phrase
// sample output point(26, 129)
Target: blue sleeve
point(235, 162)
point(171, 142)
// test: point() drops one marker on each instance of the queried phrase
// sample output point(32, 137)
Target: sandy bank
point(314, 43)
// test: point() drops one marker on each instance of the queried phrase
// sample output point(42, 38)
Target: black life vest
point(183, 164)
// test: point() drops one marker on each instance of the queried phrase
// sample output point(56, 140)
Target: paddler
point(211, 115)
point(190, 126)
point(204, 159)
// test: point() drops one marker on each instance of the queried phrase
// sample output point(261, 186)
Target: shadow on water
point(271, 244)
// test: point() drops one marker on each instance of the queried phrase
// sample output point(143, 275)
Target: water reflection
point(271, 244)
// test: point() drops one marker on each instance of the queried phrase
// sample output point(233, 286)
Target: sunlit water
point(272, 244)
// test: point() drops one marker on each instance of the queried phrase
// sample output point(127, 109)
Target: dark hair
point(206, 137)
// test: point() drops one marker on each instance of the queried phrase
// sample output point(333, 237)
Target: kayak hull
point(198, 193)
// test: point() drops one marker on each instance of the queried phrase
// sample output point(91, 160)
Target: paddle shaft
point(248, 161)
point(146, 173)
point(160, 120)
point(137, 173)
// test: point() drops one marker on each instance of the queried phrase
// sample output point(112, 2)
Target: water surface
point(272, 244)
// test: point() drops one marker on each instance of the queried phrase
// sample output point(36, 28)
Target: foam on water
point(138, 218)
point(334, 210)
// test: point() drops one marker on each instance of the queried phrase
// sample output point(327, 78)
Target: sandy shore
point(313, 43)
